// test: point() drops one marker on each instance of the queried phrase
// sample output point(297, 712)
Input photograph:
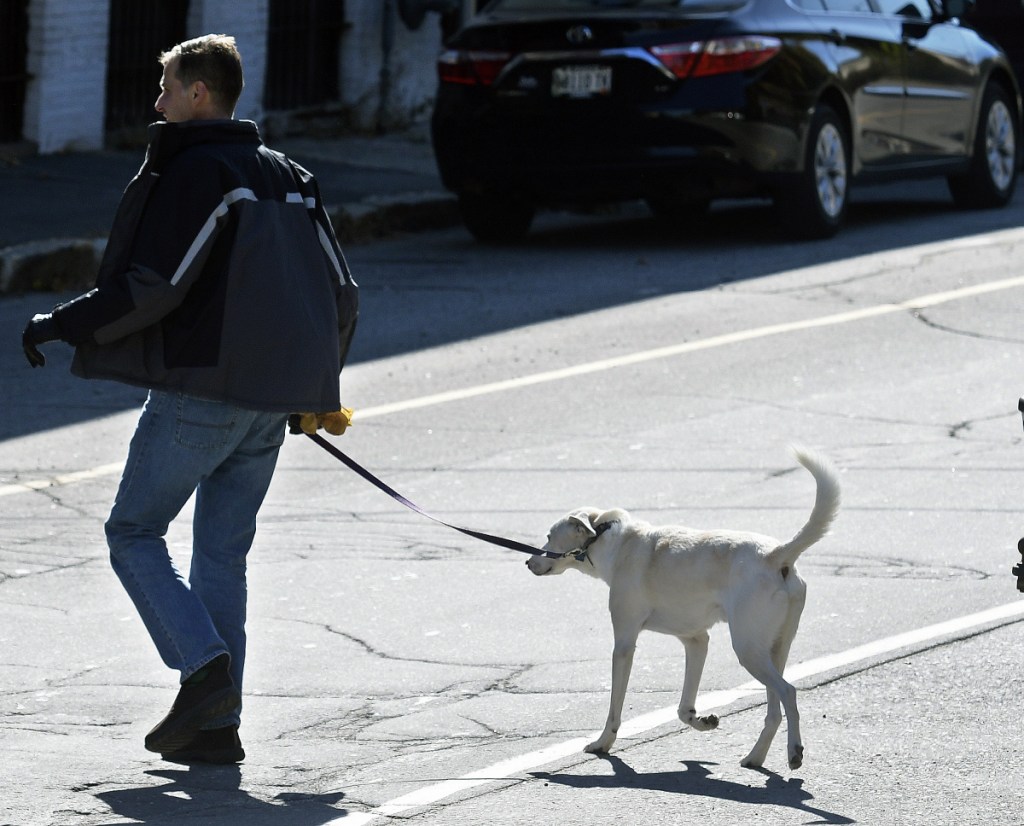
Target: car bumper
point(654, 154)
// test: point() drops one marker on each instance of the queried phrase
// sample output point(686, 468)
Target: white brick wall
point(411, 63)
point(64, 101)
point(247, 22)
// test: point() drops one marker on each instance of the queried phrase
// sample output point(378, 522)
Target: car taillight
point(471, 68)
point(715, 57)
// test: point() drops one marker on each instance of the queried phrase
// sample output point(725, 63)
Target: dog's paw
point(708, 723)
point(755, 759)
point(691, 719)
point(601, 745)
point(797, 758)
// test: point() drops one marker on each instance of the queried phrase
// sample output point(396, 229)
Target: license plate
point(581, 81)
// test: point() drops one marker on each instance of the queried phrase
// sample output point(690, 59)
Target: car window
point(809, 5)
point(917, 9)
point(856, 6)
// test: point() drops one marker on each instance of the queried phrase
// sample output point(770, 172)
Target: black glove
point(41, 329)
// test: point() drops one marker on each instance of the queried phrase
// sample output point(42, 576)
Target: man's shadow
point(696, 780)
point(213, 794)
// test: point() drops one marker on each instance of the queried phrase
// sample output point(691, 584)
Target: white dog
point(681, 581)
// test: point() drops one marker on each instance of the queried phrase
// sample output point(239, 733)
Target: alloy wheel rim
point(830, 170)
point(1000, 145)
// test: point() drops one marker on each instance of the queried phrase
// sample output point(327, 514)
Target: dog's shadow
point(696, 780)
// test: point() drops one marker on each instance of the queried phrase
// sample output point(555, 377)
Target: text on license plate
point(581, 81)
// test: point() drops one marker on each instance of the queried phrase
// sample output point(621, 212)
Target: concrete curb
point(59, 264)
point(51, 265)
point(383, 215)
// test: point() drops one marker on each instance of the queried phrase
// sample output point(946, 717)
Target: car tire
point(992, 176)
point(812, 203)
point(496, 218)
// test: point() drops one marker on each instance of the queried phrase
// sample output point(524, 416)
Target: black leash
point(501, 541)
point(1018, 570)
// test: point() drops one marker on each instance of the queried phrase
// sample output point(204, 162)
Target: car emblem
point(579, 34)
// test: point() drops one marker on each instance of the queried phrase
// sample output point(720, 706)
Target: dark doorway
point(13, 73)
point(139, 32)
point(303, 46)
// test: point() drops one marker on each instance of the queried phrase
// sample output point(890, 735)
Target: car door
point(941, 82)
point(867, 50)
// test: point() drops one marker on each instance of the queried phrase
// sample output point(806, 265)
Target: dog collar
point(583, 553)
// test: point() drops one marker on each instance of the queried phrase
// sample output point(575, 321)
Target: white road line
point(928, 300)
point(918, 639)
point(754, 333)
point(61, 480)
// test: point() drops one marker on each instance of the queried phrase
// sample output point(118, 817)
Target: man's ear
point(203, 103)
point(581, 519)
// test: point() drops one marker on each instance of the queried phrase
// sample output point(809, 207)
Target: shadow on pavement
point(696, 781)
point(456, 289)
point(213, 795)
point(421, 291)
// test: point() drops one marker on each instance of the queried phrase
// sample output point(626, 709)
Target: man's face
point(176, 102)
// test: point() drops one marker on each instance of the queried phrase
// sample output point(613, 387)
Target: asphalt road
point(398, 669)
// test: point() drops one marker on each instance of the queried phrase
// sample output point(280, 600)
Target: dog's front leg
point(622, 663)
point(696, 653)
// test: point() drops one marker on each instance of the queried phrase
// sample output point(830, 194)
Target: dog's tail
point(826, 505)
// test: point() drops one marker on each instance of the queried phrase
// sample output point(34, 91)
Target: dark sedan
point(680, 102)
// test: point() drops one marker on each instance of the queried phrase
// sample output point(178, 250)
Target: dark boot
point(219, 745)
point(206, 695)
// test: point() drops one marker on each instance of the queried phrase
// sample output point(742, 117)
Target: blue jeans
point(225, 455)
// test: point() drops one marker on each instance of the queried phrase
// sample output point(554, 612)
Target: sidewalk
point(55, 210)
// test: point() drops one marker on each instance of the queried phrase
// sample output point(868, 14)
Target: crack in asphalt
point(966, 425)
point(893, 567)
point(50, 493)
point(946, 328)
point(954, 431)
point(805, 292)
point(515, 669)
point(40, 571)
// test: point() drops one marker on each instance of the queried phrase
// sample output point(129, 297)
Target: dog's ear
point(581, 519)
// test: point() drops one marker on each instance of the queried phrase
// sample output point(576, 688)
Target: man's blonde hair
point(213, 59)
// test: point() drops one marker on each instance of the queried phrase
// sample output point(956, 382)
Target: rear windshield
point(560, 5)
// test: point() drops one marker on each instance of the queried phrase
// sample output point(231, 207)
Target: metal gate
point(13, 74)
point(139, 32)
point(303, 45)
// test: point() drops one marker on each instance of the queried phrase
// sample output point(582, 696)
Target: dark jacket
point(222, 278)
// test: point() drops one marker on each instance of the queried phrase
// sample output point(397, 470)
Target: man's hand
point(41, 329)
point(335, 423)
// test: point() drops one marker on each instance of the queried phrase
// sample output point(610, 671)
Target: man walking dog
point(224, 292)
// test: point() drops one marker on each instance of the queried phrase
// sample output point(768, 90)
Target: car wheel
point(992, 176)
point(496, 218)
point(812, 203)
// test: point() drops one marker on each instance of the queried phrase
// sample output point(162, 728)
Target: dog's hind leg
point(622, 664)
point(759, 664)
point(772, 720)
point(763, 622)
point(696, 653)
point(779, 656)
